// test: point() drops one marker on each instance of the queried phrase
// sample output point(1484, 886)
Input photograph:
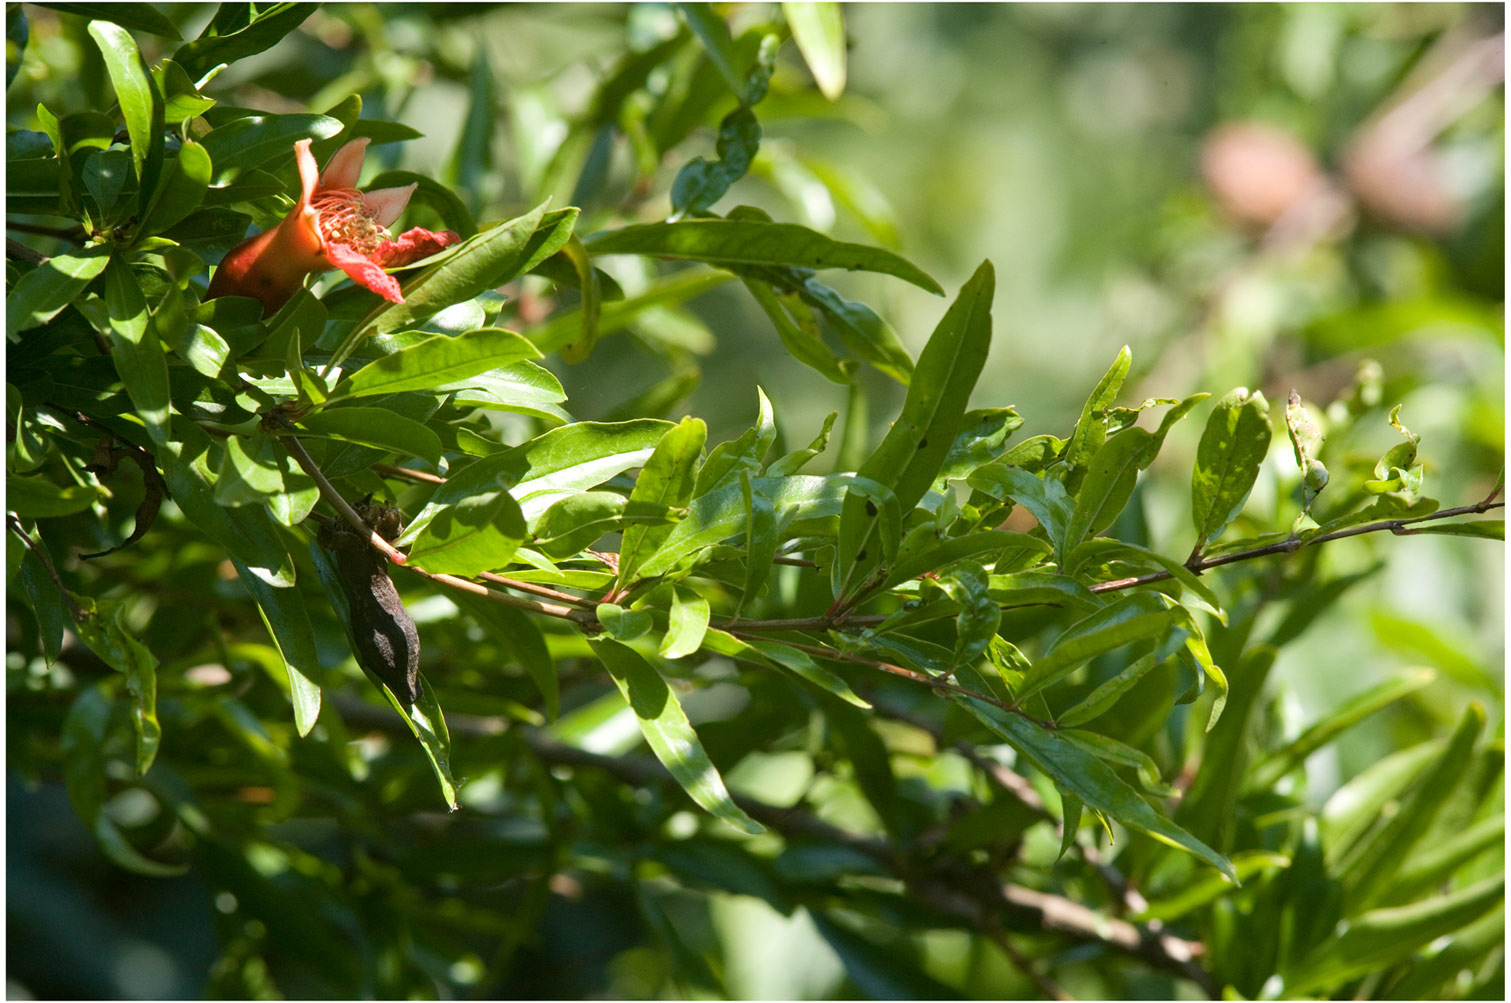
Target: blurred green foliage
point(1353, 775)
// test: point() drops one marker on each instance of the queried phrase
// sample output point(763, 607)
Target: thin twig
point(331, 495)
point(1400, 527)
point(52, 572)
point(540, 590)
point(404, 473)
point(1024, 964)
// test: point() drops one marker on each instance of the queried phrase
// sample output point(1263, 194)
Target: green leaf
point(139, 17)
point(134, 348)
point(475, 533)
point(1368, 868)
point(1384, 938)
point(1306, 442)
point(623, 624)
point(1109, 628)
point(41, 293)
point(83, 743)
point(798, 331)
point(1286, 758)
point(760, 541)
point(1108, 484)
point(183, 189)
point(1088, 778)
point(1105, 696)
point(141, 104)
point(686, 623)
point(247, 533)
point(1485, 529)
point(182, 100)
point(38, 498)
point(1113, 751)
point(1044, 497)
point(591, 306)
point(980, 440)
point(966, 582)
point(103, 628)
point(909, 458)
point(283, 614)
point(750, 242)
point(665, 483)
point(562, 462)
point(1435, 864)
point(1070, 820)
point(714, 34)
point(1208, 887)
point(248, 470)
point(819, 31)
point(518, 633)
point(700, 183)
point(575, 521)
point(1227, 461)
point(244, 144)
point(1091, 429)
point(486, 261)
point(721, 514)
point(524, 388)
point(794, 461)
point(776, 655)
point(377, 427)
point(435, 362)
point(880, 972)
point(262, 31)
point(668, 732)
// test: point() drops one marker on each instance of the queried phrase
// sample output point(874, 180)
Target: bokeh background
point(1298, 196)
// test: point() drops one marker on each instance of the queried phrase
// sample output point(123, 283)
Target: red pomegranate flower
point(332, 226)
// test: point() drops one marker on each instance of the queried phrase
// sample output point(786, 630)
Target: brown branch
point(331, 495)
point(539, 590)
point(1399, 527)
point(17, 251)
point(972, 895)
point(404, 473)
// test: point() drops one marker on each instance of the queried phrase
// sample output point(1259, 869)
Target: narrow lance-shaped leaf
point(819, 30)
point(1385, 938)
point(918, 442)
point(750, 242)
point(1091, 429)
point(1227, 461)
point(288, 624)
point(134, 348)
point(1367, 870)
point(41, 293)
point(377, 427)
point(1282, 760)
point(760, 541)
point(437, 361)
point(141, 104)
point(83, 743)
point(107, 636)
point(665, 482)
point(668, 732)
point(1088, 778)
point(1108, 484)
point(1108, 629)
